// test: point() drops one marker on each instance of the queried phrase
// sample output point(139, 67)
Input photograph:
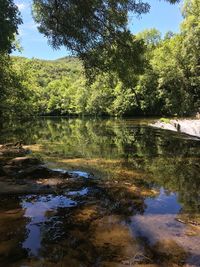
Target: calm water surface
point(156, 225)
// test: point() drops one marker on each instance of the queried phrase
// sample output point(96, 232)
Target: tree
point(151, 37)
point(9, 21)
point(190, 48)
point(14, 96)
point(95, 30)
point(168, 35)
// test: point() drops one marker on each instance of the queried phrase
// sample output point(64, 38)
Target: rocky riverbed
point(21, 172)
point(55, 217)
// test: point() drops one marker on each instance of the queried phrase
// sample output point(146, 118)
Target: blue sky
point(162, 16)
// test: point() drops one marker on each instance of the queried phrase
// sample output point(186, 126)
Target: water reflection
point(36, 209)
point(166, 235)
point(149, 189)
point(164, 203)
point(120, 149)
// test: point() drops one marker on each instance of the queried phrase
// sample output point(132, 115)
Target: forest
point(100, 148)
point(167, 83)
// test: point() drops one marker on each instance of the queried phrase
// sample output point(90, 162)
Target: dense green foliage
point(169, 84)
point(11, 90)
point(14, 97)
point(163, 80)
point(9, 21)
point(96, 32)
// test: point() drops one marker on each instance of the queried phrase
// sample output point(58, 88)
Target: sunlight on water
point(140, 205)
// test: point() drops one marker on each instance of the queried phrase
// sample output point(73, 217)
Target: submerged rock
point(24, 167)
point(27, 167)
point(169, 251)
point(13, 149)
point(26, 174)
point(24, 161)
point(186, 218)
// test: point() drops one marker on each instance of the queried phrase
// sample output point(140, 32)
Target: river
point(144, 210)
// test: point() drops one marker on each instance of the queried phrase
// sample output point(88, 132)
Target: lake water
point(143, 209)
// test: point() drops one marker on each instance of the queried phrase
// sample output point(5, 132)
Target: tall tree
point(190, 48)
point(9, 21)
point(95, 30)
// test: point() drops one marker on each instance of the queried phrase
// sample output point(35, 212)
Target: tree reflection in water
point(132, 161)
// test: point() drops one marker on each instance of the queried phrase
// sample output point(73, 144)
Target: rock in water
point(26, 167)
point(190, 127)
point(13, 149)
point(24, 161)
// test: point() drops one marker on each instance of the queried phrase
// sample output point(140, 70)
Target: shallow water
point(36, 209)
point(142, 209)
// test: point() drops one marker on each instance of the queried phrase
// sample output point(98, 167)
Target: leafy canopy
point(9, 21)
point(92, 29)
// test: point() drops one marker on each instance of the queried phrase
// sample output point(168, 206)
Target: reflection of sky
point(163, 204)
point(158, 226)
point(36, 210)
point(82, 192)
point(163, 16)
point(158, 220)
point(79, 173)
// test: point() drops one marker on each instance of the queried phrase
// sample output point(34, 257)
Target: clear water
point(36, 208)
point(145, 208)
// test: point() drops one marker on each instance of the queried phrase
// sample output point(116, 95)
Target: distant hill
point(67, 58)
point(49, 70)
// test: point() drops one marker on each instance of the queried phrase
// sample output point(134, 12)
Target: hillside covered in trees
point(167, 83)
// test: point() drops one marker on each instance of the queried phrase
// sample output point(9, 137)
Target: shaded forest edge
point(168, 84)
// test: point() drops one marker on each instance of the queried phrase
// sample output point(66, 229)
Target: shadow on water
point(142, 209)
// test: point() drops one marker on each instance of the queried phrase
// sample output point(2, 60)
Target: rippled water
point(143, 207)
